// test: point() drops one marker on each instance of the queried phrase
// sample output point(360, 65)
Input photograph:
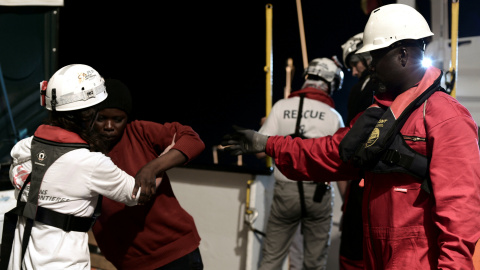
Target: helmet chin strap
point(53, 102)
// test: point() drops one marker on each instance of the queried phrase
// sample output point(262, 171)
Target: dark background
point(195, 62)
point(202, 63)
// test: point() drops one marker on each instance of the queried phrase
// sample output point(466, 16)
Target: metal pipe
point(302, 34)
point(454, 45)
point(288, 80)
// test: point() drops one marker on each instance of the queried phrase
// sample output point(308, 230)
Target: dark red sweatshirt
point(152, 235)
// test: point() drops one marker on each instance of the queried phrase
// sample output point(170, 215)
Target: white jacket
point(71, 186)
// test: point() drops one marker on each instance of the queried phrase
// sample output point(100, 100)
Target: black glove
point(244, 141)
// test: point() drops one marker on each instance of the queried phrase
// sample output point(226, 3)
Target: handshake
point(244, 141)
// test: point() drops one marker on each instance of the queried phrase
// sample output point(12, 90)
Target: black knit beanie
point(119, 97)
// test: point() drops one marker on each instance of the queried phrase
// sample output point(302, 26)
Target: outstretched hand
point(244, 141)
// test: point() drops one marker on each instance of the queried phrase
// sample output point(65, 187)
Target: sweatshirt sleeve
point(455, 178)
point(175, 135)
point(112, 182)
point(21, 162)
point(315, 159)
point(187, 140)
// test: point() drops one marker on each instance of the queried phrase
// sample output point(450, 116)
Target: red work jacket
point(404, 226)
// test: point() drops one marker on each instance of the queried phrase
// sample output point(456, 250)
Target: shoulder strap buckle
point(392, 156)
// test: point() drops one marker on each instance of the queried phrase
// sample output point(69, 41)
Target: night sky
point(201, 63)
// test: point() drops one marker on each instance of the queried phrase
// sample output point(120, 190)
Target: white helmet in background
point(327, 70)
point(73, 87)
point(391, 23)
point(349, 49)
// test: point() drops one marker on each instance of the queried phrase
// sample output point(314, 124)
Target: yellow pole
point(269, 66)
point(269, 60)
point(247, 201)
point(454, 40)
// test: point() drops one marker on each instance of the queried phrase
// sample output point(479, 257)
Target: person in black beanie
point(161, 234)
point(120, 98)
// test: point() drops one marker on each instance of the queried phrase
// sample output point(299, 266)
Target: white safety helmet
point(391, 23)
point(73, 87)
point(327, 70)
point(349, 49)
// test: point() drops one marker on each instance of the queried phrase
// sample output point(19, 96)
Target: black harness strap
point(399, 157)
point(64, 221)
point(302, 198)
point(26, 236)
point(9, 225)
point(31, 211)
point(321, 187)
point(299, 118)
point(298, 134)
point(375, 143)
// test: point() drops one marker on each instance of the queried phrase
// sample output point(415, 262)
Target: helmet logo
point(84, 76)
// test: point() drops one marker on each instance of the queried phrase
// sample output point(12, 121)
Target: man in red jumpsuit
point(418, 149)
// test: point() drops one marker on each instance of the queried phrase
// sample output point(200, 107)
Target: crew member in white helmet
point(60, 176)
point(416, 145)
point(307, 113)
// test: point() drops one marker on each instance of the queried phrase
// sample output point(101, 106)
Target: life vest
point(375, 143)
point(43, 154)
